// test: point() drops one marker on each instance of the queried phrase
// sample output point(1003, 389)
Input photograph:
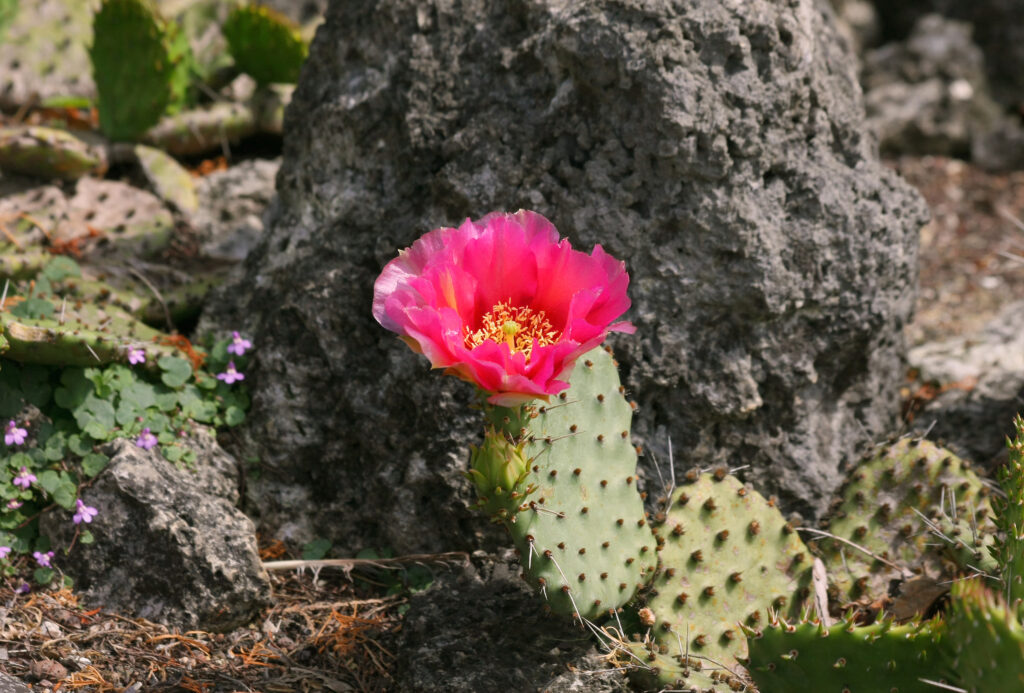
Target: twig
point(906, 573)
point(387, 563)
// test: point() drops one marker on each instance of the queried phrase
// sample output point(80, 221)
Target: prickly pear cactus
point(42, 50)
point(562, 478)
point(141, 66)
point(43, 327)
point(983, 640)
point(1009, 548)
point(915, 507)
point(8, 8)
point(48, 153)
point(728, 556)
point(169, 179)
point(265, 44)
point(805, 657)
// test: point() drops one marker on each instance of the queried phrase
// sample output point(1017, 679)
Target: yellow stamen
point(516, 326)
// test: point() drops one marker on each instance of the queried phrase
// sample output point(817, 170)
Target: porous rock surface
point(719, 148)
point(170, 545)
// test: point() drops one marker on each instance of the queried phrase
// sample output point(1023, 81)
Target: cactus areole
point(503, 303)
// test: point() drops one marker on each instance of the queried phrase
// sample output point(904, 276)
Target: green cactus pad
point(199, 130)
point(983, 640)
point(85, 335)
point(265, 45)
point(887, 505)
point(140, 65)
point(48, 153)
point(42, 52)
point(169, 179)
point(1009, 517)
point(657, 666)
point(576, 516)
point(808, 657)
point(727, 557)
point(8, 9)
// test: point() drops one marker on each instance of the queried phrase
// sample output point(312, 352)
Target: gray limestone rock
point(231, 205)
point(929, 94)
point(982, 380)
point(718, 148)
point(998, 30)
point(167, 547)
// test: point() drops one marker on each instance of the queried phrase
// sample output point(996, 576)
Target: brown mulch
point(320, 634)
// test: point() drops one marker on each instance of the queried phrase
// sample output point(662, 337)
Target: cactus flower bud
point(497, 466)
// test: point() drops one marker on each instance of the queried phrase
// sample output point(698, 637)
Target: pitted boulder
point(719, 148)
point(166, 548)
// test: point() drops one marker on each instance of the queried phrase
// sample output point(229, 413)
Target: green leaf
point(86, 537)
point(96, 417)
point(19, 460)
point(142, 394)
point(43, 576)
point(55, 448)
point(33, 308)
point(167, 401)
point(35, 385)
point(65, 493)
point(316, 549)
point(234, 416)
point(94, 463)
point(49, 481)
point(176, 371)
point(76, 387)
point(80, 445)
point(173, 453)
point(61, 267)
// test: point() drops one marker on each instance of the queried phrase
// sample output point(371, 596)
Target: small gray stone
point(929, 94)
point(231, 208)
point(984, 375)
point(9, 684)
point(166, 548)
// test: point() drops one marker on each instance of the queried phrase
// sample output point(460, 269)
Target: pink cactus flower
point(503, 303)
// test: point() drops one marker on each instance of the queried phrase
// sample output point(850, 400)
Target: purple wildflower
point(14, 504)
point(230, 375)
point(136, 356)
point(239, 345)
point(43, 559)
point(5, 551)
point(84, 513)
point(14, 435)
point(25, 588)
point(146, 440)
point(24, 478)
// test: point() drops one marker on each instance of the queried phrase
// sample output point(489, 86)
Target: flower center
point(516, 326)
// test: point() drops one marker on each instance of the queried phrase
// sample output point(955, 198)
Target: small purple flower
point(239, 345)
point(230, 375)
point(25, 588)
point(14, 435)
point(5, 551)
point(84, 513)
point(136, 356)
point(24, 478)
point(146, 440)
point(43, 559)
point(14, 504)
